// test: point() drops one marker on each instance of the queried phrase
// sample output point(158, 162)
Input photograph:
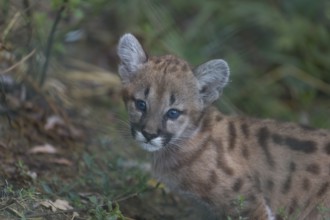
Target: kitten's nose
point(149, 136)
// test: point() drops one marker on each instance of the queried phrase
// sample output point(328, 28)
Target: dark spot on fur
point(270, 184)
point(327, 148)
point(146, 92)
point(172, 99)
point(287, 184)
point(159, 64)
point(199, 119)
point(232, 135)
point(245, 152)
point(157, 60)
point(323, 189)
point(184, 68)
point(237, 185)
point(295, 144)
point(263, 138)
point(133, 131)
point(203, 89)
point(313, 169)
point(221, 161)
point(306, 184)
point(206, 123)
point(167, 137)
point(245, 130)
point(218, 118)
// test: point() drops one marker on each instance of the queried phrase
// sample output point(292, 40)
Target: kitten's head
point(164, 95)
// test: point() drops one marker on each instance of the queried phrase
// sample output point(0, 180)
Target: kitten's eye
point(141, 105)
point(173, 114)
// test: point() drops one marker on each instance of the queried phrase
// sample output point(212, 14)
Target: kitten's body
point(240, 167)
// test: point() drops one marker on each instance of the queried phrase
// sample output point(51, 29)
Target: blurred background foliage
point(278, 50)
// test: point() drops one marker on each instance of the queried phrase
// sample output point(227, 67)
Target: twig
point(10, 25)
point(18, 63)
point(15, 212)
point(313, 81)
point(8, 203)
point(126, 197)
point(51, 41)
point(28, 14)
point(294, 71)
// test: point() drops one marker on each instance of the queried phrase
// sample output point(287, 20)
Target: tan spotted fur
point(276, 170)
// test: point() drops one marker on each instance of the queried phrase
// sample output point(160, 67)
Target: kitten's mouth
point(149, 145)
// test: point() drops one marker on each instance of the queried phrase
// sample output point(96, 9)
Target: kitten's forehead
point(169, 64)
point(166, 78)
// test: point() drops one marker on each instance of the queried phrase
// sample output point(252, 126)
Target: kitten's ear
point(132, 57)
point(212, 77)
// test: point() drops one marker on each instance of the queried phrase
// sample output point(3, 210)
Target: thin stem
point(28, 13)
point(51, 41)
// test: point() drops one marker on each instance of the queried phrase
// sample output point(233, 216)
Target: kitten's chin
point(150, 147)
